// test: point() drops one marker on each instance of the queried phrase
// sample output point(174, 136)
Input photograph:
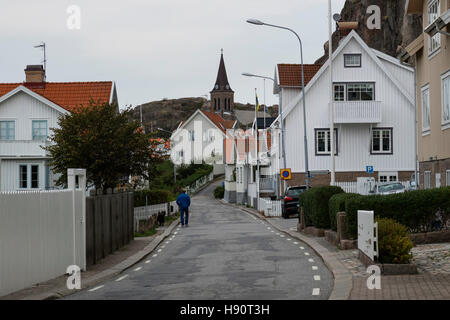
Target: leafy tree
point(106, 143)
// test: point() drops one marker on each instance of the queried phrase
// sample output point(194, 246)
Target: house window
point(40, 130)
point(383, 179)
point(7, 130)
point(354, 92)
point(323, 141)
point(426, 109)
point(434, 11)
point(446, 98)
point(352, 60)
point(339, 92)
point(34, 177)
point(23, 176)
point(427, 179)
point(448, 178)
point(388, 177)
point(360, 92)
point(381, 140)
point(191, 135)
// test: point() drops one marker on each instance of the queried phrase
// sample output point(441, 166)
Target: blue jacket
point(183, 201)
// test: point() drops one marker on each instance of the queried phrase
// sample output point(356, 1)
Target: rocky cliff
point(397, 29)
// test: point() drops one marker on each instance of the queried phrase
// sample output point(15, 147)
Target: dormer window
point(352, 60)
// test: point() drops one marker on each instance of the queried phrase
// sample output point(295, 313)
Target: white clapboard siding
point(36, 237)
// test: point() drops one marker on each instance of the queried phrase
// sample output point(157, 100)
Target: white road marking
point(316, 292)
point(272, 231)
point(148, 261)
point(311, 260)
point(159, 250)
point(96, 288)
point(278, 234)
point(317, 278)
point(302, 248)
point(138, 268)
point(289, 239)
point(282, 236)
point(121, 278)
point(175, 233)
point(268, 228)
point(295, 242)
point(163, 247)
point(155, 255)
point(315, 268)
point(306, 254)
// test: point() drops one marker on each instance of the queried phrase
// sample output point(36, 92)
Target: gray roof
point(246, 117)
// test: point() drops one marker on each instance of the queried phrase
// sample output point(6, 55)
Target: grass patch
point(148, 233)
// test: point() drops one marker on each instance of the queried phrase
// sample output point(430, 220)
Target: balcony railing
point(22, 148)
point(357, 112)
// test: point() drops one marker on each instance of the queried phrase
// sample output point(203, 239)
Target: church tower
point(222, 97)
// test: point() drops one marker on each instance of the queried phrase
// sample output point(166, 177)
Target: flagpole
point(257, 155)
point(330, 59)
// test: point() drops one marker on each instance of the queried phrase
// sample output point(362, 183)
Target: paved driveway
point(224, 254)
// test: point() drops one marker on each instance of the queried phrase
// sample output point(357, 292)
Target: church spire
point(222, 79)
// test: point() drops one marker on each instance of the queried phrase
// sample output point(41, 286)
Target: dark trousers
point(184, 215)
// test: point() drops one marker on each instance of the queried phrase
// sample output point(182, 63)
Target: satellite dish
point(337, 17)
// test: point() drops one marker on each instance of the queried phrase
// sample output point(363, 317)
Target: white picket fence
point(200, 183)
point(41, 234)
point(352, 187)
point(144, 213)
point(269, 207)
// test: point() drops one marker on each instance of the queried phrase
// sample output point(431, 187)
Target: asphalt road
point(224, 254)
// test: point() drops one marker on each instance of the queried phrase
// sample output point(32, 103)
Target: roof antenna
point(43, 46)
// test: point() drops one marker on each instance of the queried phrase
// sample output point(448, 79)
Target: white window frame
point(447, 177)
point(426, 111)
point(7, 138)
point(351, 63)
point(39, 137)
point(346, 90)
point(381, 137)
point(327, 151)
point(388, 177)
point(434, 43)
point(445, 99)
point(427, 179)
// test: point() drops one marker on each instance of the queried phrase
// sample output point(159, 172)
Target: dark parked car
point(289, 205)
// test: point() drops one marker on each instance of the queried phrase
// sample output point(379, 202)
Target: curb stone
point(343, 279)
point(107, 274)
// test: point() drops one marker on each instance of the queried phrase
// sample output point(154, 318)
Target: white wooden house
point(373, 110)
point(200, 138)
point(28, 112)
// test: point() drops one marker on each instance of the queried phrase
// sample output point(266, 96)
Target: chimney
point(344, 28)
point(35, 74)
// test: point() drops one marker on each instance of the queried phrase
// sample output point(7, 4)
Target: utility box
point(367, 234)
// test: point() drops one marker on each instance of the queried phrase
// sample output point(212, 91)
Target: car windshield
point(390, 187)
point(294, 192)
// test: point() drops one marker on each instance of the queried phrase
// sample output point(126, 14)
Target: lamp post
point(260, 23)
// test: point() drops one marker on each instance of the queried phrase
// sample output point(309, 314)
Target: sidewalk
point(109, 267)
point(433, 261)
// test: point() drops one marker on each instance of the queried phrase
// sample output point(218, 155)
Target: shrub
point(417, 210)
point(394, 245)
point(337, 204)
point(219, 192)
point(153, 197)
point(315, 204)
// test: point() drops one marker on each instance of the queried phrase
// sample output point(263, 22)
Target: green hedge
point(153, 196)
point(219, 192)
point(416, 209)
point(337, 204)
point(315, 204)
point(394, 245)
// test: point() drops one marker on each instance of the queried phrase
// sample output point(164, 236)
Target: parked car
point(289, 205)
point(389, 188)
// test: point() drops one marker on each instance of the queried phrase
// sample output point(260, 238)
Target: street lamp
point(260, 23)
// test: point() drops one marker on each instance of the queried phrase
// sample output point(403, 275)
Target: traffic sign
point(369, 169)
point(286, 174)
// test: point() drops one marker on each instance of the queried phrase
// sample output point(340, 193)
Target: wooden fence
point(109, 223)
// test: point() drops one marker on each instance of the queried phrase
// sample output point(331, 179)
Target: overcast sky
point(157, 49)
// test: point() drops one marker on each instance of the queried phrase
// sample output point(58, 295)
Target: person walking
point(183, 202)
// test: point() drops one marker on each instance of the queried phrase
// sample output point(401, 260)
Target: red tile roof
point(290, 75)
point(67, 95)
point(220, 122)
